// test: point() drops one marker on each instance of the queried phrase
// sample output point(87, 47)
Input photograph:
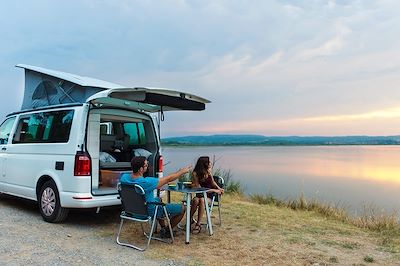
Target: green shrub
point(368, 259)
point(231, 186)
point(263, 199)
point(186, 177)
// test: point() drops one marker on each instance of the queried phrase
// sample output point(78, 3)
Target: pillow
point(106, 157)
point(142, 152)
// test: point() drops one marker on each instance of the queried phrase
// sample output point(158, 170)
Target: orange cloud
point(382, 122)
point(387, 113)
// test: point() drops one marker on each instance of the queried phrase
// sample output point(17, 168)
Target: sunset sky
point(301, 67)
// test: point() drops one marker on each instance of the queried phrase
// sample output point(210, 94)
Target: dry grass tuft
point(371, 218)
point(374, 219)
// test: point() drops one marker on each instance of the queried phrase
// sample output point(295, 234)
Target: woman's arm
point(217, 188)
point(214, 184)
point(195, 180)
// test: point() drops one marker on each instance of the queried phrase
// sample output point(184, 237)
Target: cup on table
point(187, 184)
point(179, 185)
point(172, 185)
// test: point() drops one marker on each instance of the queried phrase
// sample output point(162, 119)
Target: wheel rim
point(48, 201)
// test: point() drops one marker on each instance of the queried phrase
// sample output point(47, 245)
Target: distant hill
point(275, 141)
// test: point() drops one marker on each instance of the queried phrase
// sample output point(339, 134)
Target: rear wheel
point(49, 203)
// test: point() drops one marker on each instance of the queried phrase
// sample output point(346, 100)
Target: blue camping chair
point(216, 198)
point(134, 208)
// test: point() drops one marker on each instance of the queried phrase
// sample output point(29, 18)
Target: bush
point(264, 199)
point(231, 186)
point(369, 259)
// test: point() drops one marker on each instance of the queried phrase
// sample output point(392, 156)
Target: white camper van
point(74, 136)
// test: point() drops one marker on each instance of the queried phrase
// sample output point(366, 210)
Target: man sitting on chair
point(149, 184)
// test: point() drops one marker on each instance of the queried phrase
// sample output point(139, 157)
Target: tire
point(49, 203)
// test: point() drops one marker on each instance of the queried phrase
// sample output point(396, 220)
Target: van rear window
point(136, 133)
point(46, 127)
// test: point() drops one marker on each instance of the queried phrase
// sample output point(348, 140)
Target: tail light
point(160, 164)
point(83, 164)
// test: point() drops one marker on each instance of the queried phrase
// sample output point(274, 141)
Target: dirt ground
point(26, 239)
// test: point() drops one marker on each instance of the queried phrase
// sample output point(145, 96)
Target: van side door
point(5, 132)
point(40, 140)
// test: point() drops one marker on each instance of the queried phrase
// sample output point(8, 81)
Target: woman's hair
point(201, 168)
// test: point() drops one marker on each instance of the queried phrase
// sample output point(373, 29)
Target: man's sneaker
point(165, 233)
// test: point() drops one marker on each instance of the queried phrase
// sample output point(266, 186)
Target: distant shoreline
point(269, 145)
point(260, 140)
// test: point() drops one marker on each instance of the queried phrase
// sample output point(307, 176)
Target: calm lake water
point(351, 176)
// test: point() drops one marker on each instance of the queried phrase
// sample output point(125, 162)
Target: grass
point(374, 219)
point(263, 230)
point(267, 234)
point(230, 186)
point(369, 219)
point(333, 259)
point(369, 259)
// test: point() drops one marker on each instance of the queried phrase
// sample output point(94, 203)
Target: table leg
point(210, 230)
point(188, 199)
point(168, 196)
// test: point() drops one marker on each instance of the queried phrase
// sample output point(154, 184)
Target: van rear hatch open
point(148, 99)
point(117, 110)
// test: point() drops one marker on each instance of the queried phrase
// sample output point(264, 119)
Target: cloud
point(379, 114)
point(273, 61)
point(329, 47)
point(383, 122)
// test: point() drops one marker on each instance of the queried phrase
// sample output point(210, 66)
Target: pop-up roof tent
point(44, 87)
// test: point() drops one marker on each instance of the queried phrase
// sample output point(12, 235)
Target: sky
point(276, 68)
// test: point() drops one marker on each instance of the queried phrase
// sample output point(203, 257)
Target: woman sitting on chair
point(202, 177)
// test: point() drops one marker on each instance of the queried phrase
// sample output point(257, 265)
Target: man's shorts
point(173, 209)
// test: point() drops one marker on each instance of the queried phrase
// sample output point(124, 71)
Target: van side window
point(105, 128)
point(48, 127)
point(5, 130)
point(136, 133)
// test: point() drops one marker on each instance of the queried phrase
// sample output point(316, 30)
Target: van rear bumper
point(87, 200)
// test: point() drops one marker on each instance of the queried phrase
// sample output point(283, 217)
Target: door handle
point(4, 148)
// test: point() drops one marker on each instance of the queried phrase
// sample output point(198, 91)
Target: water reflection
point(349, 175)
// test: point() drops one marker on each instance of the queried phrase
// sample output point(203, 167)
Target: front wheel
point(49, 203)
